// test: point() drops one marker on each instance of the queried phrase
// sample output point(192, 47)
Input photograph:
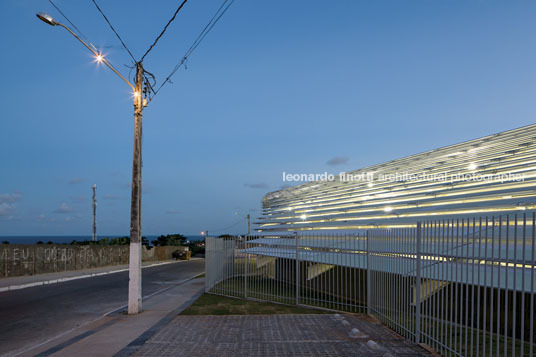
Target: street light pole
point(46, 18)
point(134, 284)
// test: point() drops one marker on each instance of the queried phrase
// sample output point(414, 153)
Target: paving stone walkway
point(277, 335)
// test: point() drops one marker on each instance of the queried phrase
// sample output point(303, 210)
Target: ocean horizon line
point(63, 239)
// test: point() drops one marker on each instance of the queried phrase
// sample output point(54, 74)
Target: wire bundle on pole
point(149, 78)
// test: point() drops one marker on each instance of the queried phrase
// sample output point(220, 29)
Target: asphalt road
point(33, 315)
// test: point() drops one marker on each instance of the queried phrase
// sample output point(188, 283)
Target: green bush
point(169, 240)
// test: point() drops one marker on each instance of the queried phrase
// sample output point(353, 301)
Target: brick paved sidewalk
point(277, 335)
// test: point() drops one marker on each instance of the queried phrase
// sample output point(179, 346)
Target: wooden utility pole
point(249, 224)
point(94, 213)
point(134, 284)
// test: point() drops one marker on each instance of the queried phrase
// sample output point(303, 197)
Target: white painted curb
point(54, 281)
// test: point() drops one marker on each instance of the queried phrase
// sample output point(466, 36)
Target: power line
point(119, 37)
point(87, 41)
point(73, 25)
point(217, 16)
point(164, 30)
point(226, 228)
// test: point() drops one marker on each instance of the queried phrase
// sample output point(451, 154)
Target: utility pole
point(249, 224)
point(94, 213)
point(134, 284)
point(134, 288)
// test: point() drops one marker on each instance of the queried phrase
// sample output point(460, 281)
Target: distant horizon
point(109, 235)
point(56, 239)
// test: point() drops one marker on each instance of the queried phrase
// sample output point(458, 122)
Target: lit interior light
point(370, 184)
point(507, 197)
point(472, 166)
point(303, 217)
point(388, 209)
point(289, 208)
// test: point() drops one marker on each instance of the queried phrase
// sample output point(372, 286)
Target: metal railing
point(464, 287)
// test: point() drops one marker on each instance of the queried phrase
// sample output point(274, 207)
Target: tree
point(144, 241)
point(197, 247)
point(5, 242)
point(169, 240)
point(110, 241)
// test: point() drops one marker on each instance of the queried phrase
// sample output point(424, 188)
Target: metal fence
point(464, 287)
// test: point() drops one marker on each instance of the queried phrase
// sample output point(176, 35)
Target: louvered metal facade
point(492, 175)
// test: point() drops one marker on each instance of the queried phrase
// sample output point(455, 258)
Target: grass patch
point(209, 304)
point(285, 293)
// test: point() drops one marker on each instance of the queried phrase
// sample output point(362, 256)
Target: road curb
point(61, 280)
point(110, 313)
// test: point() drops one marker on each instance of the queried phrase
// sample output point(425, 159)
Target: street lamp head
point(43, 16)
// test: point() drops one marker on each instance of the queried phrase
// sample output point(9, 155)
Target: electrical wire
point(113, 29)
point(217, 16)
point(73, 25)
point(164, 30)
point(226, 228)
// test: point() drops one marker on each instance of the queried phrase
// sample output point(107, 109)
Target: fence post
point(246, 266)
point(208, 258)
point(369, 293)
point(297, 270)
point(418, 287)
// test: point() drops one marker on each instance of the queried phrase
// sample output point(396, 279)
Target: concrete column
point(134, 286)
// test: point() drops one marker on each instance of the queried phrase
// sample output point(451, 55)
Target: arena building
point(492, 175)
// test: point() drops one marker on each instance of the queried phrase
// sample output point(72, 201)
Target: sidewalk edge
point(85, 276)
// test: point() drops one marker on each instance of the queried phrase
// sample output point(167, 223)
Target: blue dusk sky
point(277, 86)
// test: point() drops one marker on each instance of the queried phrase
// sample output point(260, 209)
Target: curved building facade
point(492, 175)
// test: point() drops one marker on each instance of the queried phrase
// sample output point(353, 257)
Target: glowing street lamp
point(46, 18)
point(134, 287)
